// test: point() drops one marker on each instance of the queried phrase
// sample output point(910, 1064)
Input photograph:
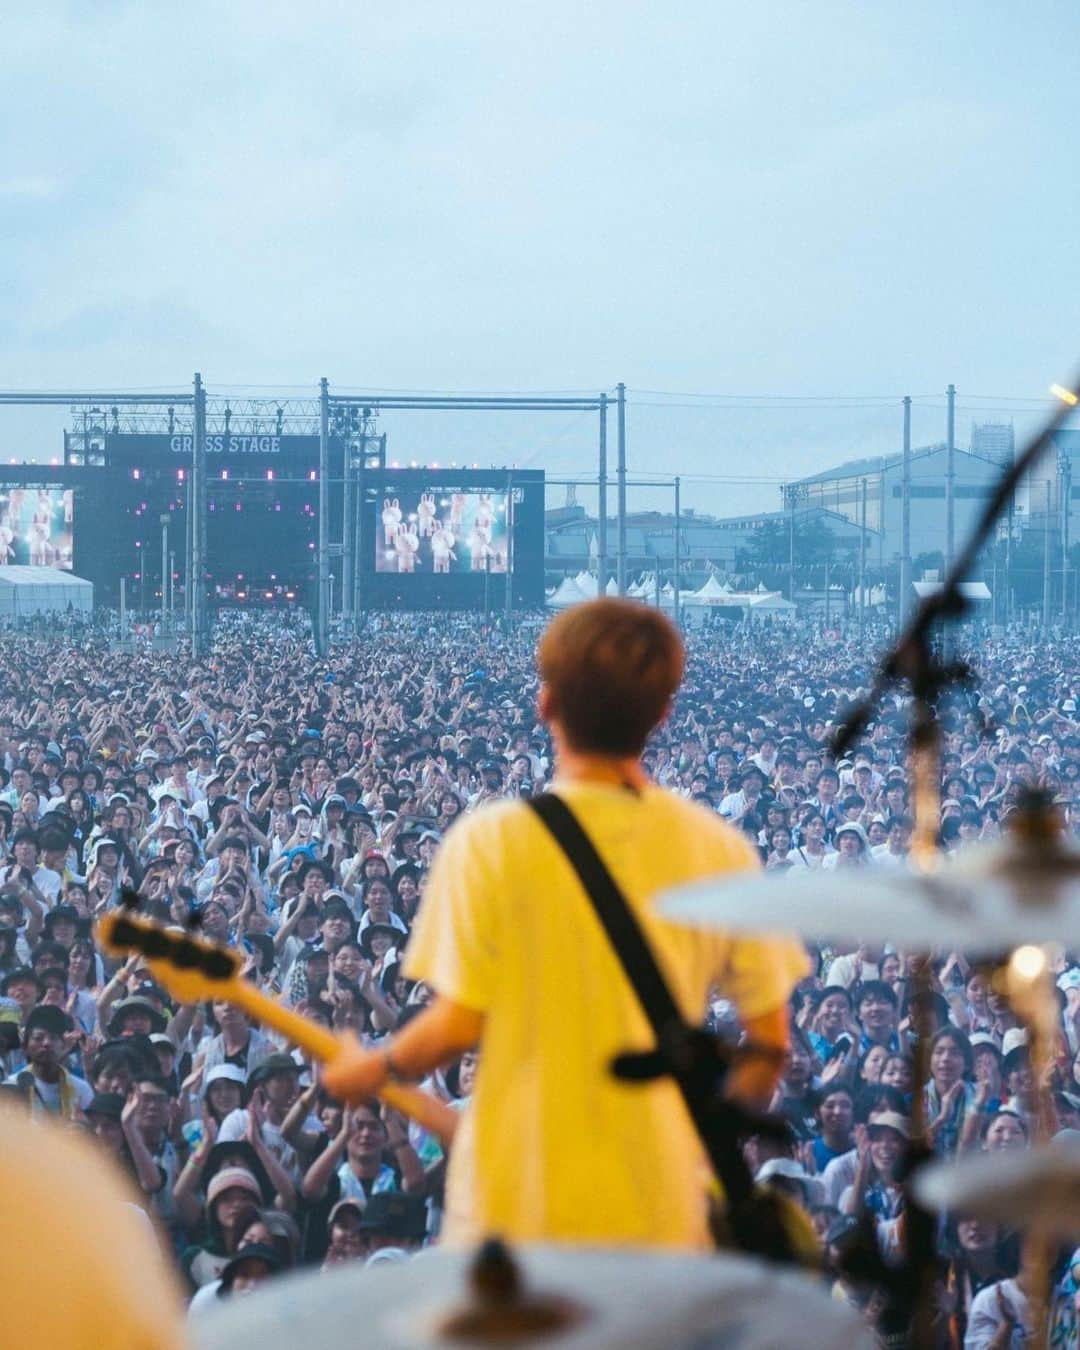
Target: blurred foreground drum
point(983, 900)
point(82, 1266)
point(1037, 1188)
point(574, 1299)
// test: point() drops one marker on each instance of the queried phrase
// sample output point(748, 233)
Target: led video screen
point(433, 532)
point(37, 527)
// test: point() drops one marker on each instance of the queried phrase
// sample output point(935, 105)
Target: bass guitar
point(193, 970)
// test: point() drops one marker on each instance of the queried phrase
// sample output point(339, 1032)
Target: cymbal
point(627, 1299)
point(984, 899)
point(1039, 1187)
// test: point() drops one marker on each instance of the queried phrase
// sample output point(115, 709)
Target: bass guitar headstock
point(190, 968)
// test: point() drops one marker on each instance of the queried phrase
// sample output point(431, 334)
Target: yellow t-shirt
point(552, 1146)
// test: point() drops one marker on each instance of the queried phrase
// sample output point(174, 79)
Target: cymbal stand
point(1030, 988)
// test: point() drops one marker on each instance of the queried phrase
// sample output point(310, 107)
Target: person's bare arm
point(147, 1172)
point(317, 1178)
point(753, 1078)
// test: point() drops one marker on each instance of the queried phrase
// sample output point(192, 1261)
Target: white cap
point(1016, 1038)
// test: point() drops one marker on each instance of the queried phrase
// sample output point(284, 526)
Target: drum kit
point(1019, 896)
point(564, 1297)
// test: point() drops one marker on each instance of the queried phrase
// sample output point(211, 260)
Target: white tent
point(587, 584)
point(772, 605)
point(42, 590)
point(567, 593)
point(712, 593)
point(970, 590)
point(612, 587)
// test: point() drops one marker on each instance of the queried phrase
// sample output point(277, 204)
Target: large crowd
point(290, 806)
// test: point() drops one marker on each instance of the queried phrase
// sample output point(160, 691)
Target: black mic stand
point(909, 1288)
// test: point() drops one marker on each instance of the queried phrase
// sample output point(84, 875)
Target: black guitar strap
point(676, 1041)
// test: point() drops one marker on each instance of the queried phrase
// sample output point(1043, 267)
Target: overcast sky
point(780, 199)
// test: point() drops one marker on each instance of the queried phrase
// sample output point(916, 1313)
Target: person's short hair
point(611, 667)
point(877, 989)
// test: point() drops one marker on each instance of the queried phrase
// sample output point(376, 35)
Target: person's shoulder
point(702, 821)
point(487, 823)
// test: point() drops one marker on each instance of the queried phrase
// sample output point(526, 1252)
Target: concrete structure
point(572, 541)
point(841, 490)
point(571, 538)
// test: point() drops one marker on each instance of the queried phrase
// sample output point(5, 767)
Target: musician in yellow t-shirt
point(553, 1148)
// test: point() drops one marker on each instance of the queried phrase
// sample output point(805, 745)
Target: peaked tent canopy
point(567, 593)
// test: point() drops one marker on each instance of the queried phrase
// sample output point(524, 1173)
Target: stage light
point(180, 475)
point(269, 595)
point(241, 595)
point(1028, 962)
point(224, 475)
point(290, 595)
point(136, 474)
point(312, 476)
point(413, 464)
point(269, 475)
point(311, 545)
point(1066, 395)
point(239, 507)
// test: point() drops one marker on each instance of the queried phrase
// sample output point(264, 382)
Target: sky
point(770, 221)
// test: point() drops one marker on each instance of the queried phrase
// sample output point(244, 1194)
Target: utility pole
point(1008, 563)
point(510, 549)
point(905, 518)
point(828, 562)
point(677, 597)
point(165, 518)
point(950, 478)
point(198, 520)
point(791, 543)
point(601, 503)
point(620, 561)
point(347, 513)
point(322, 588)
point(1066, 493)
point(862, 553)
point(1046, 560)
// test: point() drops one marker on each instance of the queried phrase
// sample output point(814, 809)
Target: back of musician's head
point(611, 668)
